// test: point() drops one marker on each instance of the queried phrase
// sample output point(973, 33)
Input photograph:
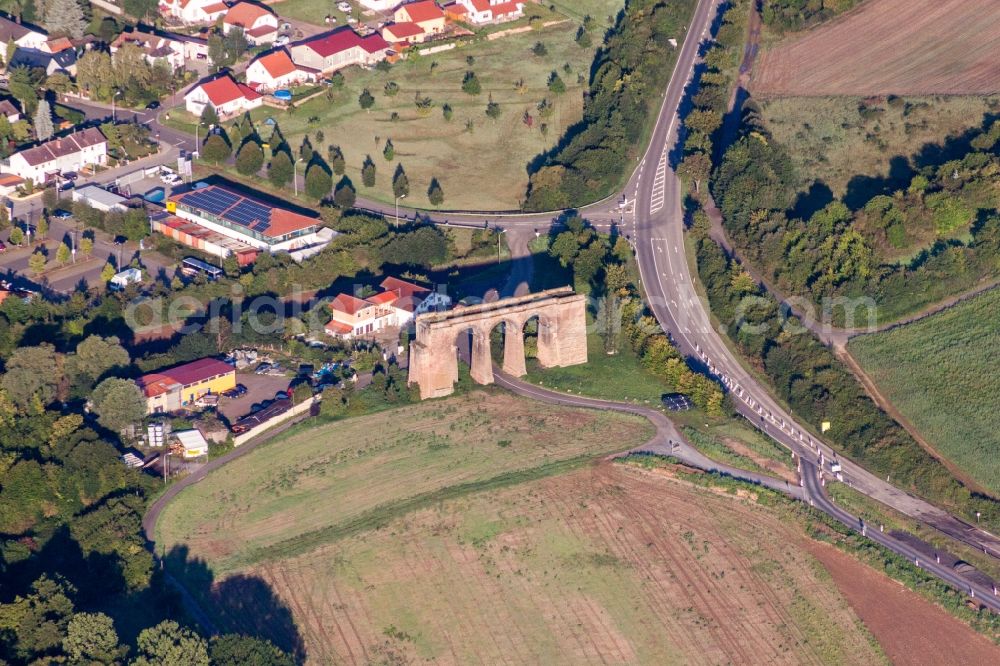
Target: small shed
point(193, 442)
point(99, 198)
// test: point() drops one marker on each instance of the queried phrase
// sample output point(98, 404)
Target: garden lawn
point(480, 162)
point(941, 373)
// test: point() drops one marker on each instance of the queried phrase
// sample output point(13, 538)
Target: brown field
point(902, 47)
point(911, 631)
point(608, 564)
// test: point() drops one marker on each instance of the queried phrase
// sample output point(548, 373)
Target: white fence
point(245, 437)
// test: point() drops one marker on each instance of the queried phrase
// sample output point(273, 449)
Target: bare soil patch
point(890, 47)
point(911, 630)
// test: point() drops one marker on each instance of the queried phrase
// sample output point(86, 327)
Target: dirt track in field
point(911, 631)
point(902, 47)
point(611, 564)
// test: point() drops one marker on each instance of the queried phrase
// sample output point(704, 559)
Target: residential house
point(180, 386)
point(155, 47)
point(410, 300)
point(57, 45)
point(403, 33)
point(275, 70)
point(9, 183)
point(479, 12)
point(9, 110)
point(22, 34)
point(425, 13)
point(68, 153)
point(339, 48)
point(352, 317)
point(260, 25)
point(395, 306)
point(228, 97)
point(193, 11)
point(61, 61)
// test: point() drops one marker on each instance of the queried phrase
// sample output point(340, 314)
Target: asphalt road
point(653, 221)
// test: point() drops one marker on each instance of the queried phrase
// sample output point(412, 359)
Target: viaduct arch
point(562, 338)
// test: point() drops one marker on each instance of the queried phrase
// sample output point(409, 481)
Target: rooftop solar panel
point(248, 213)
point(211, 200)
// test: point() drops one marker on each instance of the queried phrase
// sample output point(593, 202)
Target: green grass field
point(322, 483)
point(941, 373)
point(829, 141)
point(480, 162)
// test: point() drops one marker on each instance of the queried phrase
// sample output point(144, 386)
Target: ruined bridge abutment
point(562, 338)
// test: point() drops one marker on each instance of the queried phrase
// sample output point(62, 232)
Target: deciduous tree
point(118, 403)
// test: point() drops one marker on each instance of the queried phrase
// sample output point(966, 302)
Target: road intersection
point(654, 223)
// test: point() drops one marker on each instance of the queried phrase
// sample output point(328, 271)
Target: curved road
point(655, 225)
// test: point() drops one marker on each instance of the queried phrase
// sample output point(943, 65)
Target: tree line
point(629, 72)
point(946, 218)
point(817, 386)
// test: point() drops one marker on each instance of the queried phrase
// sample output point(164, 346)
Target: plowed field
point(912, 47)
point(610, 564)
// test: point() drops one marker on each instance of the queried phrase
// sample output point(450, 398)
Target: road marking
point(658, 195)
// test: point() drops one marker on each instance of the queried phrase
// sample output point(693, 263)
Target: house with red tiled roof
point(479, 12)
point(403, 33)
point(275, 70)
point(415, 22)
point(193, 11)
point(395, 306)
point(181, 386)
point(260, 24)
point(339, 48)
point(425, 13)
point(227, 96)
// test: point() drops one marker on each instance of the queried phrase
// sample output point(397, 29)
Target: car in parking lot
point(70, 175)
point(236, 392)
point(281, 395)
point(61, 214)
point(153, 105)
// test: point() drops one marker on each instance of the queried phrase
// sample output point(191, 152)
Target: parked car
point(70, 175)
point(153, 105)
point(281, 395)
point(68, 185)
point(61, 214)
point(281, 41)
point(263, 368)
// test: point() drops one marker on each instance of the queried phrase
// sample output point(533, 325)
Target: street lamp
point(401, 196)
point(295, 175)
point(117, 92)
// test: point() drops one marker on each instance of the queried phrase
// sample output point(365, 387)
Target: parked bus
point(192, 267)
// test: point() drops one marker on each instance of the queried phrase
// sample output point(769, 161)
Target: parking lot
point(259, 388)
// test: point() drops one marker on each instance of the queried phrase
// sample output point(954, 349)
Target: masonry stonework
point(562, 338)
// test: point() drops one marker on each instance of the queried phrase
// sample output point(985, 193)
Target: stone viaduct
point(562, 338)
